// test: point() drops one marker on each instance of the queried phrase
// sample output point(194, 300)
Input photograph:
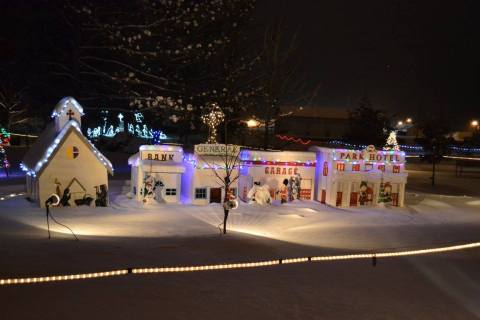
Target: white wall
point(89, 171)
point(200, 177)
point(275, 181)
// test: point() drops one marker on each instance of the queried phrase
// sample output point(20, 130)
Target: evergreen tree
point(367, 125)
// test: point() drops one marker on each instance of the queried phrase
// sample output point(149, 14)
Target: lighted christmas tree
point(384, 197)
point(392, 143)
point(381, 196)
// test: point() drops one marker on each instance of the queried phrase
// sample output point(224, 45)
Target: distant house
point(315, 123)
point(64, 162)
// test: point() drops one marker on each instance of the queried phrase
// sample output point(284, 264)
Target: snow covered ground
point(128, 234)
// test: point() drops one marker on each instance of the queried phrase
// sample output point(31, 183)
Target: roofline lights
point(39, 165)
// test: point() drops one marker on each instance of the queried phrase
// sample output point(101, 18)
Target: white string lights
point(242, 265)
point(61, 135)
point(212, 119)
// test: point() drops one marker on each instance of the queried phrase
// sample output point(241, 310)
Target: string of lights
point(241, 265)
point(409, 147)
point(293, 139)
point(70, 124)
point(212, 119)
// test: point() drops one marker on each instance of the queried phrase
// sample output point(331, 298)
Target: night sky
point(409, 56)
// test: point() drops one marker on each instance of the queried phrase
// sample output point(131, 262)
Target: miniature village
point(63, 162)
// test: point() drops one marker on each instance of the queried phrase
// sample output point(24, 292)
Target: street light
point(474, 124)
point(252, 123)
point(409, 120)
point(400, 123)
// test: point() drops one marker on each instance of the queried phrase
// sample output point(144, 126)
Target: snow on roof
point(286, 156)
point(48, 143)
point(64, 103)
point(135, 158)
point(320, 149)
point(161, 147)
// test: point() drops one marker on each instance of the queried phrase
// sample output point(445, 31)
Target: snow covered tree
point(279, 78)
point(392, 143)
point(225, 168)
point(12, 109)
point(151, 54)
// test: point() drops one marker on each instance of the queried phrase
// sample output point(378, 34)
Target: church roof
point(67, 102)
point(48, 143)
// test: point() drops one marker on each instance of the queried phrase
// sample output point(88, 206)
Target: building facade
point(156, 173)
point(336, 177)
point(360, 177)
point(206, 169)
point(275, 169)
point(62, 161)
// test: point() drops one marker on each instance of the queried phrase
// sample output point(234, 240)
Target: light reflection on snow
point(301, 222)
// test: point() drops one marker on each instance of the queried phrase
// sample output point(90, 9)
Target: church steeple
point(67, 109)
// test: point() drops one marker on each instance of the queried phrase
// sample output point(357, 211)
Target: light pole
point(434, 147)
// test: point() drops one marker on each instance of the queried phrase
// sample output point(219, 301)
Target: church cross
point(70, 113)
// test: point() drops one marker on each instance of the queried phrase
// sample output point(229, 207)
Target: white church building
point(64, 162)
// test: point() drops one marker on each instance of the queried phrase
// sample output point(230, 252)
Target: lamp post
point(434, 147)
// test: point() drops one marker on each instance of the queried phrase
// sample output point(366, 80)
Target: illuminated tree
point(392, 143)
point(225, 169)
point(212, 119)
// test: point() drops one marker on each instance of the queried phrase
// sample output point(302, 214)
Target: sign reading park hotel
point(370, 155)
point(217, 150)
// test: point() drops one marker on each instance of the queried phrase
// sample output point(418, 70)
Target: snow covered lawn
point(128, 234)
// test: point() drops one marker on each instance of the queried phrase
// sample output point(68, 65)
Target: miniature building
point(272, 168)
point(157, 173)
point(337, 177)
point(360, 177)
point(64, 162)
point(205, 170)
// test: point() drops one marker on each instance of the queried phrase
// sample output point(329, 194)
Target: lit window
point(396, 169)
point(368, 166)
point(356, 167)
point(381, 167)
point(340, 166)
point(200, 193)
point(72, 152)
point(171, 192)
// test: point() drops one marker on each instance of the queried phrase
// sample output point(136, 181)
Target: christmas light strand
point(241, 265)
point(212, 119)
point(293, 139)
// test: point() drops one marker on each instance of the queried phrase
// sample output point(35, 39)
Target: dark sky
point(409, 56)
